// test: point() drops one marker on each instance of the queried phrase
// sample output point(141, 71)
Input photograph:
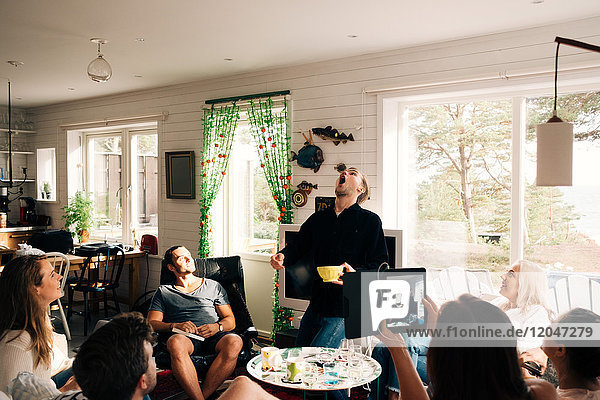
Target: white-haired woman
point(525, 290)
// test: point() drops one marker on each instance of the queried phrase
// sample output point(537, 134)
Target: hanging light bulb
point(99, 69)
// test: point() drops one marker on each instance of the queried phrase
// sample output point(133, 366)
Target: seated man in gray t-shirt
point(198, 306)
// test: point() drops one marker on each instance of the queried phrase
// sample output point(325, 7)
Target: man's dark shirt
point(355, 237)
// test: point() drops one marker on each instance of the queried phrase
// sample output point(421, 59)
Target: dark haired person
point(491, 373)
point(116, 362)
point(577, 362)
point(198, 306)
point(345, 235)
point(28, 285)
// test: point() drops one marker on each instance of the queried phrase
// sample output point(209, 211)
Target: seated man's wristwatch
point(220, 326)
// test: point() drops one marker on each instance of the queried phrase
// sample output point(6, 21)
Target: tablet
point(394, 295)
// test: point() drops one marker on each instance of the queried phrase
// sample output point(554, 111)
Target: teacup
point(295, 369)
point(271, 359)
point(330, 273)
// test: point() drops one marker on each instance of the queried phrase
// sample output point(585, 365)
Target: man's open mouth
point(342, 179)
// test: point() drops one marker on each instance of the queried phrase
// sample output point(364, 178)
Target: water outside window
point(563, 223)
point(460, 187)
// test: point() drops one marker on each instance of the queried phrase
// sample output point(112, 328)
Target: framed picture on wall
point(324, 203)
point(181, 180)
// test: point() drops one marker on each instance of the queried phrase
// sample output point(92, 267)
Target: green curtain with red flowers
point(268, 127)
point(219, 123)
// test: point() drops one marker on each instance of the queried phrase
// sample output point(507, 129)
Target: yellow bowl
point(330, 273)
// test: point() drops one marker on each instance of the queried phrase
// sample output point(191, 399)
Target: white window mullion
point(126, 169)
point(519, 130)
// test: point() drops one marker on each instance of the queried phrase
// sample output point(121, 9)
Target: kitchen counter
point(11, 237)
point(23, 229)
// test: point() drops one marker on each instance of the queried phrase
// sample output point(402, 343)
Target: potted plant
point(79, 215)
point(46, 189)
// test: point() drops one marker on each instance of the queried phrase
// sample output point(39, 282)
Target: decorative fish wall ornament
point(307, 186)
point(309, 156)
point(340, 167)
point(329, 133)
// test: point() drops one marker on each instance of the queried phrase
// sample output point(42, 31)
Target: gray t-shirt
point(197, 306)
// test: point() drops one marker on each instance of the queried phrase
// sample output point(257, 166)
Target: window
point(245, 204)
point(121, 170)
point(562, 224)
point(460, 197)
point(463, 186)
point(46, 174)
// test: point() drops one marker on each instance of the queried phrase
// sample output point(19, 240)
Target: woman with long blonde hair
point(525, 290)
point(28, 285)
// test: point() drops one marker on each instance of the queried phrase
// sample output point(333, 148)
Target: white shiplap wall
point(325, 93)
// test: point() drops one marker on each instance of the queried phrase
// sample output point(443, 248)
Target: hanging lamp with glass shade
point(99, 69)
point(555, 137)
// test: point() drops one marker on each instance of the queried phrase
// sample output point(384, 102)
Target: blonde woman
point(28, 285)
point(524, 289)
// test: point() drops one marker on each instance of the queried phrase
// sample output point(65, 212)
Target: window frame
point(392, 137)
point(127, 134)
point(222, 217)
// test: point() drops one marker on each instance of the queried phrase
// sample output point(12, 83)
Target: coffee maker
point(4, 199)
point(28, 215)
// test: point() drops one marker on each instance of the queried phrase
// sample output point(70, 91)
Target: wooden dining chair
point(100, 273)
point(61, 264)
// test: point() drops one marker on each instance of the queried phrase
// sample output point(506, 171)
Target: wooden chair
point(445, 284)
point(61, 264)
point(575, 291)
point(100, 273)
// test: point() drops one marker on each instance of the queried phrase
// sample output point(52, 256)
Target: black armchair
point(229, 273)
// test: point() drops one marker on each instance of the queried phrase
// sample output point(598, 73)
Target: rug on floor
point(167, 387)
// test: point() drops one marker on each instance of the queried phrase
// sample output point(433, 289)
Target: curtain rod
point(109, 121)
point(376, 90)
point(247, 97)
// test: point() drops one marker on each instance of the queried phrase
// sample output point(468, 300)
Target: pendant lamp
point(555, 137)
point(99, 69)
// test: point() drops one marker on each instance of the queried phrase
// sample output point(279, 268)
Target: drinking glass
point(355, 365)
point(345, 349)
point(355, 349)
point(310, 374)
point(293, 352)
point(331, 373)
point(324, 357)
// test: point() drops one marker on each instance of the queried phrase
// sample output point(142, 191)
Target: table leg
point(134, 280)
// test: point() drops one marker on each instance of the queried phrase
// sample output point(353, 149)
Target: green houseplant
point(46, 190)
point(79, 215)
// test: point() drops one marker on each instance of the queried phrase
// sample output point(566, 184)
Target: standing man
point(199, 306)
point(345, 235)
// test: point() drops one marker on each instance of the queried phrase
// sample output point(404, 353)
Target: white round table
point(370, 370)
